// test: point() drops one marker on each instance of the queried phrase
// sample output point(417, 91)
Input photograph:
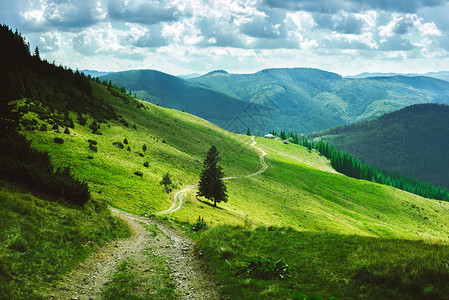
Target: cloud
point(395, 43)
point(342, 23)
point(333, 6)
point(143, 11)
point(50, 41)
point(270, 24)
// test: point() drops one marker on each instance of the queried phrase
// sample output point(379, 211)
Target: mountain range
point(443, 75)
point(298, 99)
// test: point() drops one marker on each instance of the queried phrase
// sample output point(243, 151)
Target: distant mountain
point(443, 75)
point(189, 76)
point(94, 73)
point(299, 99)
point(412, 141)
point(311, 99)
point(170, 91)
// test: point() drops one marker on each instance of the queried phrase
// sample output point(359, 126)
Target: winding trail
point(180, 196)
point(187, 268)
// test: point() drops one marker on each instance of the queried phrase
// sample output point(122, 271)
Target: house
point(269, 136)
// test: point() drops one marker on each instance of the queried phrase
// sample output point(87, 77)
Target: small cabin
point(269, 136)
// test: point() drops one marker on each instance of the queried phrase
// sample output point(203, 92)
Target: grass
point(41, 240)
point(299, 191)
point(326, 264)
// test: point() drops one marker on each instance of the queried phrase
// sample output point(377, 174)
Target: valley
point(93, 219)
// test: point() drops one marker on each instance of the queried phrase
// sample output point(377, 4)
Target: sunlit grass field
point(340, 236)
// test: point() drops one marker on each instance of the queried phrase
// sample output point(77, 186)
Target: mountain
point(163, 89)
point(443, 75)
point(309, 99)
point(412, 141)
point(190, 76)
point(297, 228)
point(94, 73)
point(299, 99)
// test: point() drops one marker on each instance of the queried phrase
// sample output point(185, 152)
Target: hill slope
point(299, 190)
point(411, 141)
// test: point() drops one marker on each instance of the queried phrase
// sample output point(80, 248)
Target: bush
point(118, 145)
point(93, 148)
point(129, 149)
point(93, 142)
point(167, 183)
point(125, 141)
point(144, 147)
point(138, 173)
point(66, 130)
point(199, 225)
point(58, 140)
point(265, 268)
point(22, 164)
point(141, 154)
point(43, 127)
point(146, 164)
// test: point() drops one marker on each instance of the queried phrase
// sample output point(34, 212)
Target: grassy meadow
point(339, 236)
point(41, 239)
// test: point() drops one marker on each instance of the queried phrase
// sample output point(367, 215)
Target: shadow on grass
point(210, 204)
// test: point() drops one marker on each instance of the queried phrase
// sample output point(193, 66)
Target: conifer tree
point(211, 185)
point(248, 132)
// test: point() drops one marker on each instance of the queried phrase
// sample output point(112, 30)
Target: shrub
point(145, 164)
point(93, 142)
point(58, 140)
point(141, 154)
point(93, 148)
point(134, 126)
point(144, 147)
point(199, 225)
point(129, 149)
point(138, 173)
point(66, 130)
point(118, 145)
point(125, 141)
point(265, 268)
point(43, 127)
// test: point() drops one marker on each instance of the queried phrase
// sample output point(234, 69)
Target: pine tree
point(248, 132)
point(211, 185)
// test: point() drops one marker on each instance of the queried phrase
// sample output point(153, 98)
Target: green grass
point(326, 264)
point(299, 190)
point(41, 240)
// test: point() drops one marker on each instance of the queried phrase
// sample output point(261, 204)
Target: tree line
point(351, 166)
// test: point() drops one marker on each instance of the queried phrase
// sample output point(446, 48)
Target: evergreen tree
point(211, 185)
point(248, 132)
point(167, 183)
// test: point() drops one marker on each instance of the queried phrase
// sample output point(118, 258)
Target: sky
point(241, 36)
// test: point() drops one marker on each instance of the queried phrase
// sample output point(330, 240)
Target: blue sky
point(240, 36)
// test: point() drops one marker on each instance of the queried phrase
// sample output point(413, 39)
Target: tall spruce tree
point(211, 185)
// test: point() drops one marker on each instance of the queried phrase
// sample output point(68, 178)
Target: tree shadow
point(210, 204)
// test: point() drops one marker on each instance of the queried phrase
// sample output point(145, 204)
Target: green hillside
point(411, 141)
point(298, 228)
point(299, 197)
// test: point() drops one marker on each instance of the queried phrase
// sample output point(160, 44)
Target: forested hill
point(297, 99)
point(412, 141)
point(166, 90)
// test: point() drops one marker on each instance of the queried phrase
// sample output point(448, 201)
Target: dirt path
point(89, 279)
point(179, 197)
